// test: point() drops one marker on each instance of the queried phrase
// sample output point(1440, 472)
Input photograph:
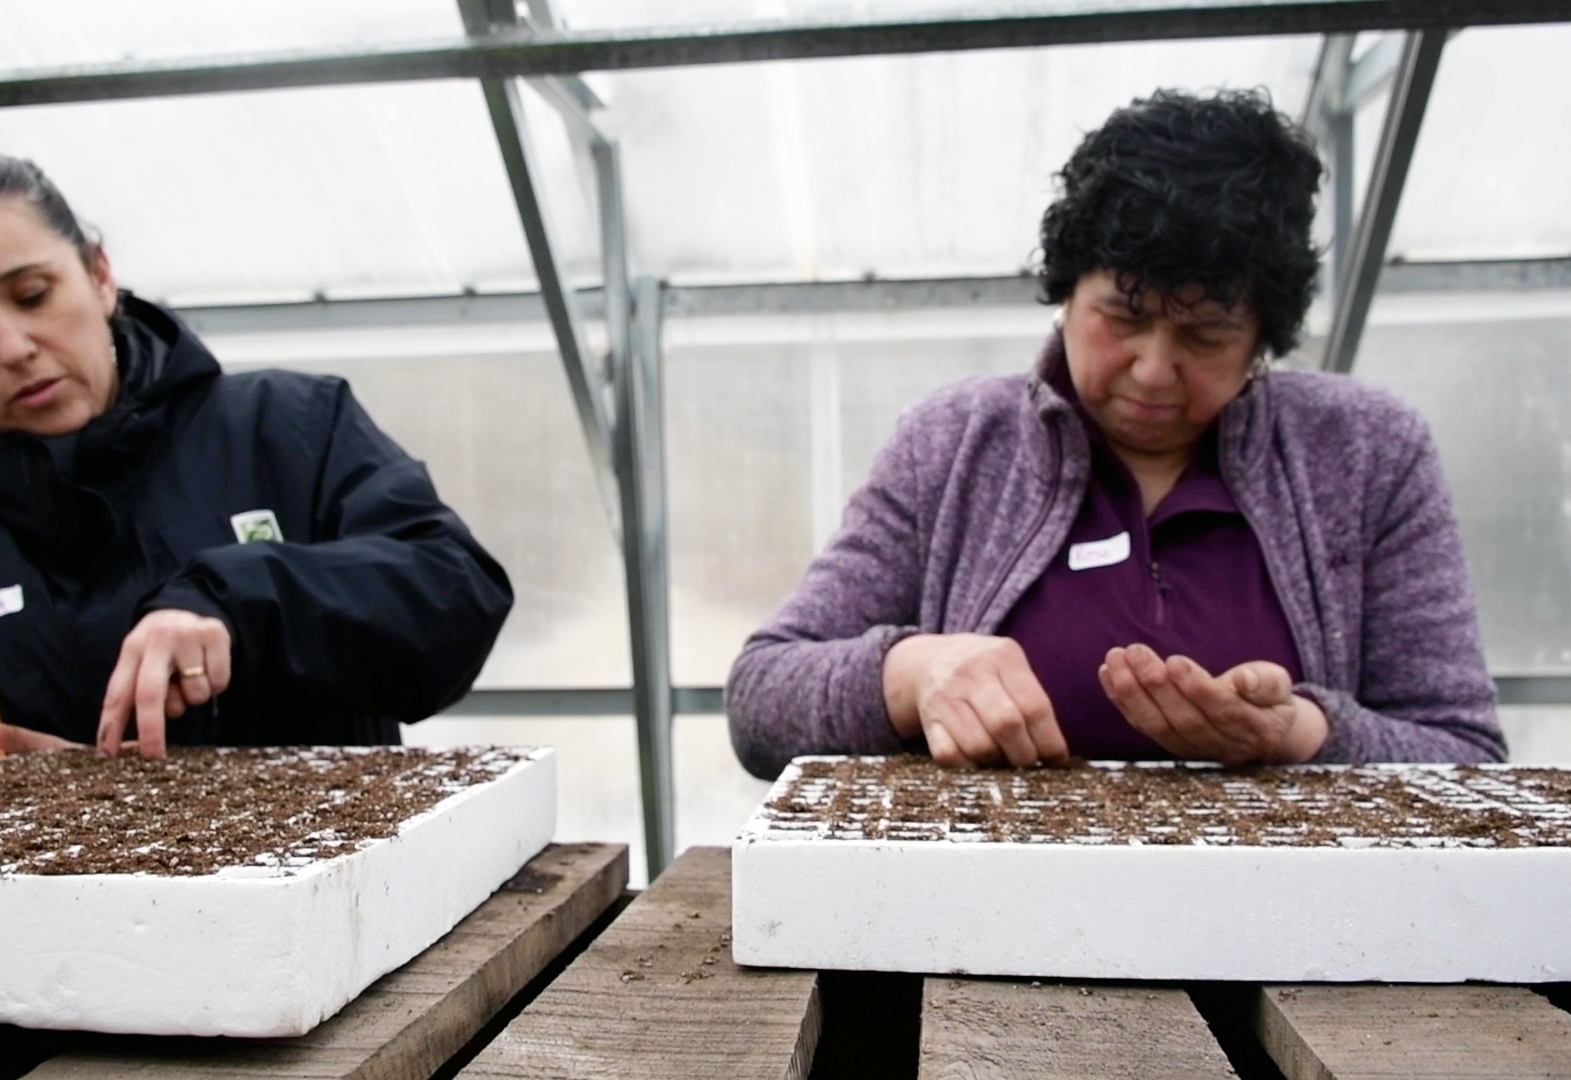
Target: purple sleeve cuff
point(787, 698)
point(1358, 735)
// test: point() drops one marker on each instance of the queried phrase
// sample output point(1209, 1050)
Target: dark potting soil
point(200, 810)
point(912, 798)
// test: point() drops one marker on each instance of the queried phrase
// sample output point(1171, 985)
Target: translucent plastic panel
point(766, 441)
point(1537, 734)
point(107, 31)
point(503, 445)
point(902, 166)
point(381, 190)
point(714, 794)
point(738, 490)
point(1489, 175)
point(597, 14)
point(598, 795)
point(879, 381)
point(1497, 395)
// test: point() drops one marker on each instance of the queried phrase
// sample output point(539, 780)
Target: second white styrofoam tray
point(1149, 912)
point(255, 951)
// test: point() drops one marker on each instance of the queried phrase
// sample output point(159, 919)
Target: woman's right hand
point(21, 740)
point(973, 697)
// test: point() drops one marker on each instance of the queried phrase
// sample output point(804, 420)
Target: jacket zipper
point(1160, 606)
point(1025, 542)
point(1273, 573)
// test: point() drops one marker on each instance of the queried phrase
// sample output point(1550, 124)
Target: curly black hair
point(1177, 190)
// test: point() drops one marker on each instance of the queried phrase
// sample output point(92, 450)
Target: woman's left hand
point(1248, 714)
point(172, 660)
point(21, 740)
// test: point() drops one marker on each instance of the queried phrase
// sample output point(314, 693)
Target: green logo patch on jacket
point(256, 526)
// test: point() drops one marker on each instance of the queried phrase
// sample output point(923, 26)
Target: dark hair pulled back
point(21, 179)
point(1177, 191)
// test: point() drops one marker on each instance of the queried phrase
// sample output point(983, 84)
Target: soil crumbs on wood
point(911, 798)
point(200, 810)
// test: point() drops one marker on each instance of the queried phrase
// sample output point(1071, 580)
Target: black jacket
point(377, 606)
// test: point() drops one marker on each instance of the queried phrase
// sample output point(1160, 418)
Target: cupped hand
point(21, 740)
point(1245, 715)
point(973, 697)
point(171, 661)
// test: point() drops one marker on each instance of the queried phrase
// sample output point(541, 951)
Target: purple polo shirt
point(1194, 581)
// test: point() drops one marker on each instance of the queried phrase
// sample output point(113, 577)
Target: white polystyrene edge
point(252, 873)
point(309, 952)
point(1154, 912)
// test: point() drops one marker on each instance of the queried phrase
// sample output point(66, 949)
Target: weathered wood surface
point(976, 1029)
point(1450, 1032)
point(410, 1022)
point(657, 996)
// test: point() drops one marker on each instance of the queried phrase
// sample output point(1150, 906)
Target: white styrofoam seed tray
point(262, 950)
point(841, 877)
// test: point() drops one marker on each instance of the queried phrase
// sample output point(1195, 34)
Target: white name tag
point(10, 600)
point(1094, 553)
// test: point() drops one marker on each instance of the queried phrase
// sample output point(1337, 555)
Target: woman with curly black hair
point(1153, 546)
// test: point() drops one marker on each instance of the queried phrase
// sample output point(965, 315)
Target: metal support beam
point(627, 447)
point(1409, 277)
point(616, 301)
point(640, 461)
point(1339, 142)
point(788, 298)
point(1361, 269)
point(608, 701)
point(523, 171)
point(1372, 72)
point(710, 700)
point(1534, 689)
point(482, 18)
point(639, 451)
point(1326, 116)
point(569, 52)
point(1329, 79)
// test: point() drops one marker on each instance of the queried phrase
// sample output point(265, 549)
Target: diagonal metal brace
point(1415, 78)
point(627, 447)
point(519, 158)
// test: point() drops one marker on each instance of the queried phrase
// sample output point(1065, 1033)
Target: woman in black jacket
point(231, 559)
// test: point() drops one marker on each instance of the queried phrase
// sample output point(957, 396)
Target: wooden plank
point(976, 1029)
point(657, 996)
point(408, 1023)
point(1454, 1032)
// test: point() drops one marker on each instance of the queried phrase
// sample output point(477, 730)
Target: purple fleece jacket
point(974, 495)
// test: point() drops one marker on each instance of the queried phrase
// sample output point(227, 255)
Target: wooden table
point(655, 995)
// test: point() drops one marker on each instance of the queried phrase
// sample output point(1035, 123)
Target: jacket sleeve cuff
point(884, 638)
point(181, 594)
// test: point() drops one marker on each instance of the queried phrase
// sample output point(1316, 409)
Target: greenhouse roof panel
point(104, 31)
point(899, 166)
point(936, 164)
point(385, 190)
point(1489, 174)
